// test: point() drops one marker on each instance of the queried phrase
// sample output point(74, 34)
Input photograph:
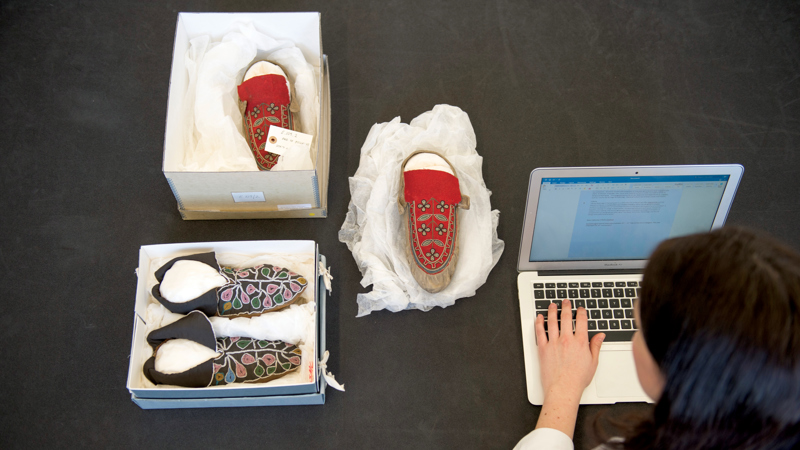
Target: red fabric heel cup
point(432, 197)
point(267, 99)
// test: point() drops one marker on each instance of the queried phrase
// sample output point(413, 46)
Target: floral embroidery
point(246, 360)
point(258, 289)
point(432, 197)
point(424, 205)
point(257, 122)
point(432, 253)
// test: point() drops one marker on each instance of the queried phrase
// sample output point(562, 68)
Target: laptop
point(587, 234)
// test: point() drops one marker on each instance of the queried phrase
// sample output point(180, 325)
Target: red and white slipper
point(266, 95)
point(429, 195)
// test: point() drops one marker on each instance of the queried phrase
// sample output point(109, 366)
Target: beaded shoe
point(429, 197)
point(266, 96)
point(187, 353)
point(198, 283)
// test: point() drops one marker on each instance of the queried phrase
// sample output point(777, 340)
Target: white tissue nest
point(373, 229)
point(213, 132)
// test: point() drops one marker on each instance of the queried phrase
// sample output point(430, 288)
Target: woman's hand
point(567, 362)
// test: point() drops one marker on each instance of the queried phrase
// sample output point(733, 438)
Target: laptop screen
point(620, 218)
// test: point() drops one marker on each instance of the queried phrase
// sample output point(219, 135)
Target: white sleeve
point(545, 438)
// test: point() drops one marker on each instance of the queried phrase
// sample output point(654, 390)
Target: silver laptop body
point(590, 225)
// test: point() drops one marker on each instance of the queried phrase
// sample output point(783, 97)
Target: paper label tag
point(297, 206)
point(248, 197)
point(281, 140)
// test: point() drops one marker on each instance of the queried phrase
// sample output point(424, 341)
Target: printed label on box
point(291, 207)
point(281, 140)
point(248, 197)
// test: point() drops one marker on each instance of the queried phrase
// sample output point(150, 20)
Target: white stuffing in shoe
point(267, 68)
point(187, 280)
point(293, 325)
point(180, 355)
point(428, 161)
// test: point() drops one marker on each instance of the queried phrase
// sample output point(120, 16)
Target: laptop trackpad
point(616, 375)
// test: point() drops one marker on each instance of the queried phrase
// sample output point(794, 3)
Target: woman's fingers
point(582, 324)
point(541, 337)
point(594, 347)
point(566, 317)
point(552, 321)
point(553, 332)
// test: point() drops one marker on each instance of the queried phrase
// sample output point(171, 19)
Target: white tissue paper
point(213, 134)
point(374, 231)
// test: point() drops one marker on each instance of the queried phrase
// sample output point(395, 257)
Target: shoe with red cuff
point(429, 198)
point(266, 96)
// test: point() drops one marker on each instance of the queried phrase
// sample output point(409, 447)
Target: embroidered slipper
point(187, 353)
point(428, 198)
point(265, 95)
point(198, 283)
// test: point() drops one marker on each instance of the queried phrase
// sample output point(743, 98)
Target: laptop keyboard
point(609, 305)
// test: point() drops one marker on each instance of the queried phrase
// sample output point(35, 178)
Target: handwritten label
point(281, 140)
point(248, 197)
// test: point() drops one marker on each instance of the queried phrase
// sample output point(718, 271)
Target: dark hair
point(720, 313)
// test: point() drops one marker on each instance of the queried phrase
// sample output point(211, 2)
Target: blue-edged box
point(304, 387)
point(245, 194)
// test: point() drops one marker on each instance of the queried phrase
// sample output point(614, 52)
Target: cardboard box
point(260, 194)
point(307, 391)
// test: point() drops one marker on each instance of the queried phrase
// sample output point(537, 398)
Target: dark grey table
point(563, 83)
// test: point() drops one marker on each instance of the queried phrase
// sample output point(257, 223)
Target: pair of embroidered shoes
point(265, 98)
point(429, 198)
point(188, 353)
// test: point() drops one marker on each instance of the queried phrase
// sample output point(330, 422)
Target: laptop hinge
point(546, 273)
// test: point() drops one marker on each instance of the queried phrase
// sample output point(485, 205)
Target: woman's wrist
point(563, 394)
point(560, 410)
point(559, 414)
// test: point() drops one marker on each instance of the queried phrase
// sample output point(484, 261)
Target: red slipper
point(429, 195)
point(265, 94)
